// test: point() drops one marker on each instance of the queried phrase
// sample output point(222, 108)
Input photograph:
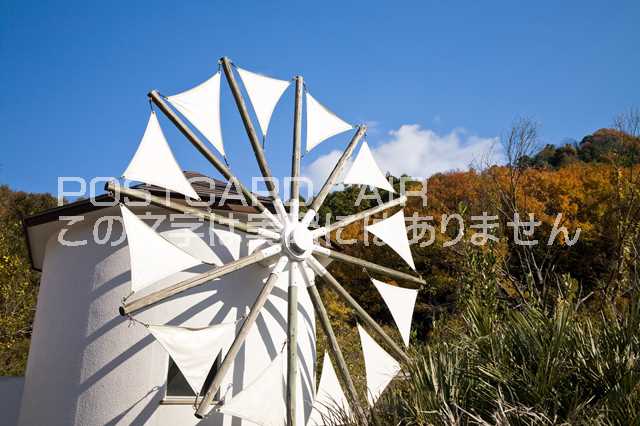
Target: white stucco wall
point(10, 395)
point(90, 366)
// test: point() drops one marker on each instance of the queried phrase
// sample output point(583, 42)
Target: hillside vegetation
point(504, 332)
point(513, 333)
point(18, 282)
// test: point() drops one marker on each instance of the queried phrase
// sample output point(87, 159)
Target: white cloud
point(373, 127)
point(319, 169)
point(417, 152)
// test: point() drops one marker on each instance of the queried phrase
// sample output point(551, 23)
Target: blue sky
point(451, 76)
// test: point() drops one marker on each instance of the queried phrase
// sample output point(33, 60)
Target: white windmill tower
point(286, 244)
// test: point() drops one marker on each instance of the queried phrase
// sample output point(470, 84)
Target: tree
point(18, 281)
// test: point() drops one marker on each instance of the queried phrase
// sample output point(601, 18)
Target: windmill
point(290, 244)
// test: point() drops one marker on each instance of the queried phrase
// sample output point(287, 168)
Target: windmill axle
point(297, 241)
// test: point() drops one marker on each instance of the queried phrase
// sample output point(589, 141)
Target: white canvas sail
point(201, 106)
point(380, 367)
point(188, 241)
point(194, 350)
point(155, 164)
point(394, 233)
point(322, 123)
point(365, 171)
point(329, 397)
point(153, 258)
point(401, 302)
point(264, 92)
point(263, 400)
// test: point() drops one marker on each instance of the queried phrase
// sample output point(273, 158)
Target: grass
point(525, 366)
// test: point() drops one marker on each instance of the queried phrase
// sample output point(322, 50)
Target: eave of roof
point(207, 188)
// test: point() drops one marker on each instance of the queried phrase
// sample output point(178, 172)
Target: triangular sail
point(401, 302)
point(379, 366)
point(264, 92)
point(263, 400)
point(155, 164)
point(322, 123)
point(365, 171)
point(329, 397)
point(194, 350)
point(153, 258)
point(201, 106)
point(394, 233)
point(190, 242)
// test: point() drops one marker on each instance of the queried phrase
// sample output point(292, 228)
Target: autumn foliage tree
point(596, 199)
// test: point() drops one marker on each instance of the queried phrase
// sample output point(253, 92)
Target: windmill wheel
point(291, 243)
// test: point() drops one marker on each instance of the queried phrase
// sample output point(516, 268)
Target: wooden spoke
point(137, 194)
point(248, 126)
point(334, 347)
point(358, 216)
point(200, 279)
point(225, 171)
point(204, 405)
point(337, 169)
point(292, 296)
point(370, 266)
point(297, 143)
point(292, 344)
point(364, 316)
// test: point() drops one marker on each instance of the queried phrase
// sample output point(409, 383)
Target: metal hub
point(298, 241)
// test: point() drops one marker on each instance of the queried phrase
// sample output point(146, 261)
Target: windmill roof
point(220, 195)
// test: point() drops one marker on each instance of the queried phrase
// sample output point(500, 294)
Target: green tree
point(18, 281)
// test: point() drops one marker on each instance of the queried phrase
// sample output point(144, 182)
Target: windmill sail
point(322, 123)
point(394, 233)
point(201, 106)
point(190, 242)
point(264, 92)
point(194, 350)
point(365, 171)
point(329, 397)
point(155, 164)
point(379, 366)
point(263, 400)
point(153, 258)
point(401, 302)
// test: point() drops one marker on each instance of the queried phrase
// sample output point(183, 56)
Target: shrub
point(521, 367)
